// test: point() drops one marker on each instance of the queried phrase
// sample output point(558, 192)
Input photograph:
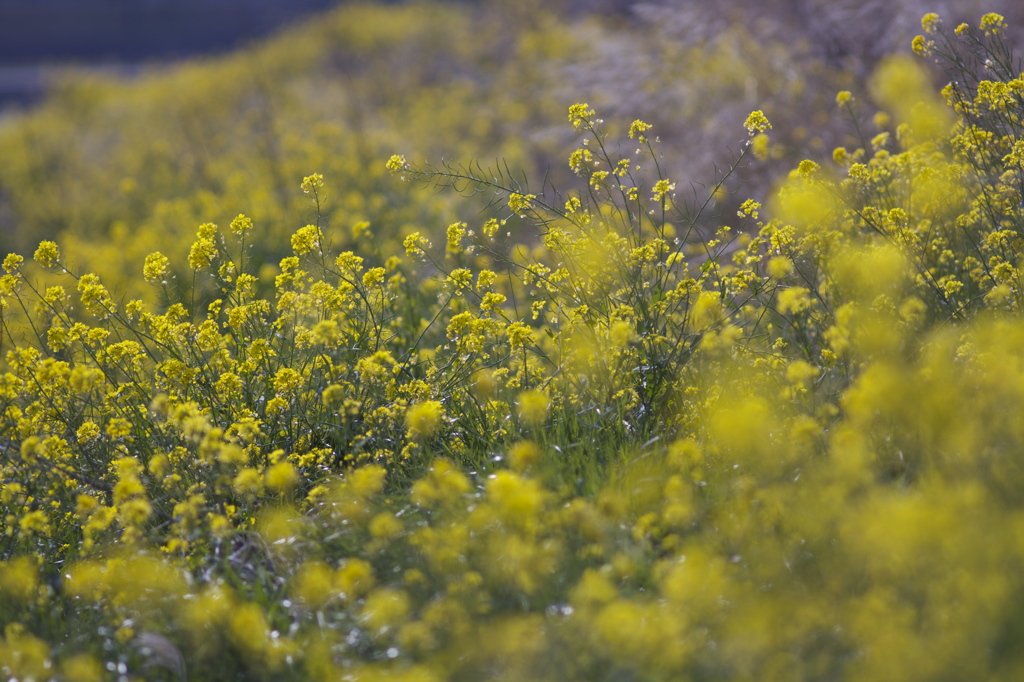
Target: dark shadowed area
point(36, 35)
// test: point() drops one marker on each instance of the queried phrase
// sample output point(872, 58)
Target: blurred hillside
point(117, 168)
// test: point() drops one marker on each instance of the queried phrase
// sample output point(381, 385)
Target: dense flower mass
point(587, 437)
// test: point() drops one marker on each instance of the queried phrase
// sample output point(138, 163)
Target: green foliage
point(581, 438)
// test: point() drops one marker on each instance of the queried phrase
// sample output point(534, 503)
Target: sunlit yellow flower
point(307, 239)
point(373, 277)
point(992, 23)
point(12, 262)
point(638, 127)
point(311, 184)
point(807, 167)
point(396, 163)
point(930, 21)
point(242, 223)
point(47, 254)
point(455, 233)
point(579, 114)
point(520, 203)
point(461, 278)
point(756, 122)
point(519, 335)
point(202, 253)
point(414, 244)
point(661, 188)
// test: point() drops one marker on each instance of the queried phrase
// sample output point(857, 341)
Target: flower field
point(322, 415)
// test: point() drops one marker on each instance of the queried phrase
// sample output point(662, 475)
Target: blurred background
point(126, 123)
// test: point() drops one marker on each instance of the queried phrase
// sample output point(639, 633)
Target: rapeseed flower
point(47, 254)
point(424, 419)
point(756, 122)
point(533, 406)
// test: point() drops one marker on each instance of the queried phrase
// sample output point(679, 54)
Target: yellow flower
point(759, 145)
point(930, 21)
point(281, 477)
point(533, 407)
point(248, 482)
point(118, 427)
point(155, 267)
point(396, 163)
point(580, 158)
point(794, 300)
point(800, 373)
point(638, 127)
point(492, 226)
point(19, 578)
point(361, 228)
point(779, 267)
point(992, 23)
point(313, 584)
point(661, 188)
point(461, 278)
point(757, 122)
point(312, 183)
point(523, 455)
point(385, 608)
point(202, 253)
point(286, 380)
point(423, 419)
point(276, 406)
point(242, 224)
point(519, 335)
point(35, 523)
point(354, 579)
point(87, 431)
point(414, 244)
point(47, 254)
point(333, 395)
point(349, 262)
point(385, 526)
point(12, 262)
point(456, 231)
point(159, 465)
point(806, 168)
point(622, 334)
point(307, 239)
point(520, 203)
point(490, 300)
point(373, 277)
point(579, 114)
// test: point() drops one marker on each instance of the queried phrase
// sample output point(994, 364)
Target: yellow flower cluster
point(625, 446)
